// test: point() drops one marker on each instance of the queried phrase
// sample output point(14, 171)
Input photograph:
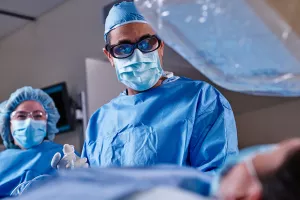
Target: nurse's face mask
point(138, 64)
point(28, 128)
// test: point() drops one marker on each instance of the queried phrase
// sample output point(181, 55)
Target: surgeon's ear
point(109, 57)
point(161, 49)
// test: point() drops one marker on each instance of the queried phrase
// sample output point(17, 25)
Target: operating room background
point(55, 49)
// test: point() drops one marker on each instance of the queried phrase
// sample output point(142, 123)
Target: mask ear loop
point(251, 170)
point(249, 161)
point(250, 167)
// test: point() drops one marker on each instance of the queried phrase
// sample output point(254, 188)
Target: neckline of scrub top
point(168, 80)
point(140, 96)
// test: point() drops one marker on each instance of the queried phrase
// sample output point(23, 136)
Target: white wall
point(269, 125)
point(53, 50)
point(102, 84)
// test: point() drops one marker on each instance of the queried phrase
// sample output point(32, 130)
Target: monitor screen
point(59, 94)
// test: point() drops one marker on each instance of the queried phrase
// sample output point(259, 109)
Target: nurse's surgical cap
point(121, 14)
point(18, 97)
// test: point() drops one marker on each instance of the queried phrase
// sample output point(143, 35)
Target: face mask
point(29, 133)
point(141, 71)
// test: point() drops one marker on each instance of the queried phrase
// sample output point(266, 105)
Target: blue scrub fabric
point(18, 166)
point(182, 122)
point(116, 183)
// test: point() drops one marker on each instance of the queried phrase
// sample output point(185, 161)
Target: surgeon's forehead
point(130, 32)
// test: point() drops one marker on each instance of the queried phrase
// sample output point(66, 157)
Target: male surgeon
point(156, 120)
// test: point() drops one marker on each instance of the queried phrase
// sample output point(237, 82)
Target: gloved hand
point(69, 161)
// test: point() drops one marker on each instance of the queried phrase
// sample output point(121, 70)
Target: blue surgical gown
point(116, 183)
point(18, 166)
point(182, 122)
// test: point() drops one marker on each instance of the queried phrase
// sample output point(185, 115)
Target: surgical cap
point(121, 14)
point(18, 97)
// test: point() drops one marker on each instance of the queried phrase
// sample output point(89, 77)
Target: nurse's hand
point(69, 160)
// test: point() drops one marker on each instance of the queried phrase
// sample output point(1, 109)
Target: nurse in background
point(27, 125)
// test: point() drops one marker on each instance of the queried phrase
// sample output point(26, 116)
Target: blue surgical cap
point(121, 14)
point(18, 97)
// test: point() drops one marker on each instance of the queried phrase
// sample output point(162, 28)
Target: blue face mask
point(29, 133)
point(141, 71)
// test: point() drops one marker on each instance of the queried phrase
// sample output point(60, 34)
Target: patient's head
point(277, 175)
point(284, 183)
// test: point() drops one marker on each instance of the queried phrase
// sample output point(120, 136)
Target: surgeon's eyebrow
point(126, 41)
